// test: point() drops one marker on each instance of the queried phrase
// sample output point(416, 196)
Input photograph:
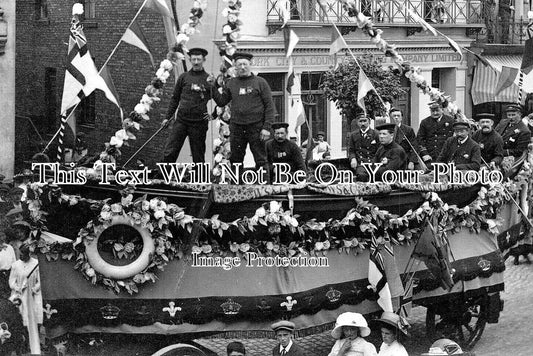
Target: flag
point(290, 39)
point(284, 10)
point(483, 60)
point(393, 275)
point(291, 78)
point(104, 73)
point(426, 26)
point(298, 112)
point(377, 277)
point(363, 87)
point(506, 79)
point(431, 250)
point(81, 76)
point(135, 37)
point(164, 8)
point(454, 46)
point(527, 59)
point(337, 41)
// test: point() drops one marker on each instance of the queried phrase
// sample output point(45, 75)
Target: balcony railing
point(505, 32)
point(383, 11)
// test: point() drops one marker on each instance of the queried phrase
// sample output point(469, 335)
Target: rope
point(60, 138)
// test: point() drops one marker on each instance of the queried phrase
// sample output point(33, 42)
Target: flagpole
point(61, 127)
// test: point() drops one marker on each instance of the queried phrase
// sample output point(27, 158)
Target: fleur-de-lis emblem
point(172, 309)
point(289, 303)
point(48, 311)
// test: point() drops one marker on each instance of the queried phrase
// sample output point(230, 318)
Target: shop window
point(50, 95)
point(87, 110)
point(315, 105)
point(41, 9)
point(277, 85)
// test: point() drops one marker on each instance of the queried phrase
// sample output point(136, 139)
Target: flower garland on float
point(231, 33)
point(270, 231)
point(152, 91)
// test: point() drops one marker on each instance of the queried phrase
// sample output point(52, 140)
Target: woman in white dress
point(350, 330)
point(393, 329)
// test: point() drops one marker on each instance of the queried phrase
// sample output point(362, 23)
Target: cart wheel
point(464, 325)
point(180, 350)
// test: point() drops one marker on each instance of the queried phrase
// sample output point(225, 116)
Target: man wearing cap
point(236, 348)
point(490, 142)
point(404, 135)
point(191, 94)
point(282, 150)
point(287, 347)
point(514, 132)
point(362, 145)
point(461, 149)
point(252, 111)
point(390, 154)
point(434, 130)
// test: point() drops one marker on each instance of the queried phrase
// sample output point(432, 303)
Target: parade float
point(171, 257)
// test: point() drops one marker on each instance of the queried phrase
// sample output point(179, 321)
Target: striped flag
point(135, 37)
point(337, 41)
point(290, 40)
point(363, 87)
point(506, 79)
point(377, 277)
point(81, 76)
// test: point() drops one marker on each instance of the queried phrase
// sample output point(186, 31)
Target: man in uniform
point(490, 142)
point(284, 333)
point(282, 150)
point(461, 149)
point(391, 155)
point(514, 132)
point(252, 111)
point(191, 94)
point(362, 145)
point(405, 136)
point(433, 132)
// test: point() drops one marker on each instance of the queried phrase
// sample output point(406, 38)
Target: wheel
point(180, 350)
point(463, 322)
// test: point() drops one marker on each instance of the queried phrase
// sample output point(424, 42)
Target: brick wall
point(43, 43)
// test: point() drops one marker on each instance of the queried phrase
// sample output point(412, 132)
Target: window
point(89, 9)
point(87, 110)
point(50, 95)
point(315, 106)
point(277, 85)
point(41, 9)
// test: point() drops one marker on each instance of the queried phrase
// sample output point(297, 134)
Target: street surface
point(512, 336)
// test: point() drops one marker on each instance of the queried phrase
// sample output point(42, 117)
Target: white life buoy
point(120, 272)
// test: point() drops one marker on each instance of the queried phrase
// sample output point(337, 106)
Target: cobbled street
point(511, 336)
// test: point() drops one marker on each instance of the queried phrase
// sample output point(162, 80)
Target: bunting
point(337, 41)
point(364, 86)
point(290, 40)
point(454, 46)
point(417, 18)
point(506, 79)
point(377, 277)
point(135, 37)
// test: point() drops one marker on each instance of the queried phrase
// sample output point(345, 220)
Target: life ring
point(120, 272)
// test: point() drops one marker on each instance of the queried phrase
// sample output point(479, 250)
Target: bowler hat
point(283, 325)
point(513, 107)
point(280, 125)
point(241, 55)
point(386, 126)
point(197, 51)
point(350, 319)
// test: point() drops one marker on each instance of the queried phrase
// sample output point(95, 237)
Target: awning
point(486, 79)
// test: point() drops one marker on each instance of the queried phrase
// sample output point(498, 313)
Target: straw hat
point(445, 347)
point(350, 319)
point(392, 319)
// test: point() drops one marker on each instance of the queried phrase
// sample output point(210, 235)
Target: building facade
point(43, 33)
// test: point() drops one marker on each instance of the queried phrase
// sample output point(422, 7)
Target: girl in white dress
point(350, 330)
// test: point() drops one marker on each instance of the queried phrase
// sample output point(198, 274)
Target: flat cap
point(361, 116)
point(321, 133)
point(434, 104)
point(460, 123)
point(16, 190)
point(279, 125)
point(513, 107)
point(14, 211)
point(4, 188)
point(386, 126)
point(485, 115)
point(283, 325)
point(198, 51)
point(241, 55)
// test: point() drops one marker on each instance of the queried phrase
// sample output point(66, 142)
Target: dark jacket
point(392, 155)
point(491, 145)
point(466, 156)
point(251, 101)
point(401, 136)
point(363, 148)
point(285, 152)
point(190, 97)
point(432, 134)
point(515, 137)
point(295, 350)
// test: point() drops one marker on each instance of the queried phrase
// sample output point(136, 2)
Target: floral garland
point(153, 91)
point(411, 72)
point(231, 33)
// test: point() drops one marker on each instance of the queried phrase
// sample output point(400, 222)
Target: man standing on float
point(191, 94)
point(252, 111)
